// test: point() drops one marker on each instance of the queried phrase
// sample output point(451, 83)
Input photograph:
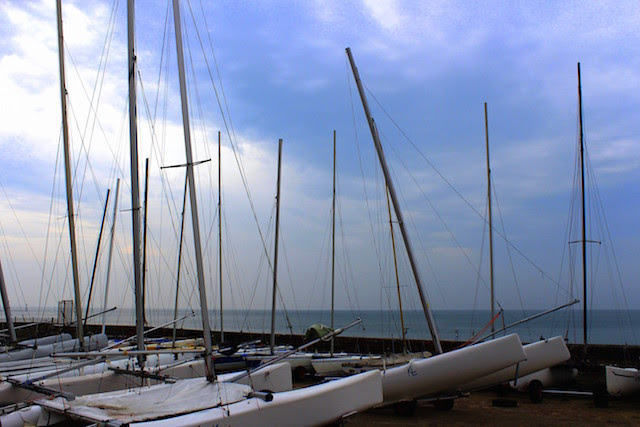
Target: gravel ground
point(478, 409)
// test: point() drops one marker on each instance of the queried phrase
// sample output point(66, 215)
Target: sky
point(279, 70)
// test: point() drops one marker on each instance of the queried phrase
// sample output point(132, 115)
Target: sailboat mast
point(486, 134)
point(396, 206)
point(7, 307)
point(69, 181)
point(395, 268)
point(275, 254)
point(175, 306)
point(220, 233)
point(144, 240)
point(206, 329)
point(95, 260)
point(584, 242)
point(333, 241)
point(111, 238)
point(135, 185)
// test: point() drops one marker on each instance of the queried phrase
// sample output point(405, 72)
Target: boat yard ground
point(478, 409)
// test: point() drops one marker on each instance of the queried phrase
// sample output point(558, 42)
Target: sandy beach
point(478, 409)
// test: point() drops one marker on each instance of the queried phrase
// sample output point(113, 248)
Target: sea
point(603, 326)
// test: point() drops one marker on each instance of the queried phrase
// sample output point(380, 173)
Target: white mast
point(69, 182)
point(206, 329)
point(396, 206)
point(135, 186)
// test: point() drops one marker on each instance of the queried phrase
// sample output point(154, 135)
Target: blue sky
point(431, 65)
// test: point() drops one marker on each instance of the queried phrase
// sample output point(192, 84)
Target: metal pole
point(7, 307)
point(395, 265)
point(144, 241)
point(69, 182)
point(95, 260)
point(486, 134)
point(113, 232)
point(584, 242)
point(333, 240)
point(206, 329)
point(396, 207)
point(275, 254)
point(175, 307)
point(135, 186)
point(220, 235)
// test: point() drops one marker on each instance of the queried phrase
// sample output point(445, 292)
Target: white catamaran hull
point(622, 381)
point(94, 342)
point(539, 355)
point(312, 406)
point(447, 371)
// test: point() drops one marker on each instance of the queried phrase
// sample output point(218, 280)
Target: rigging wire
point(450, 185)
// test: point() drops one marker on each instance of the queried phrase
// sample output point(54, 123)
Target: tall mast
point(175, 307)
point(113, 232)
point(7, 307)
point(396, 207)
point(206, 329)
point(486, 134)
point(135, 186)
point(333, 239)
point(275, 254)
point(69, 181)
point(144, 241)
point(95, 260)
point(584, 242)
point(395, 267)
point(220, 235)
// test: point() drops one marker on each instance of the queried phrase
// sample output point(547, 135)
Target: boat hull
point(622, 381)
point(539, 355)
point(447, 371)
point(312, 406)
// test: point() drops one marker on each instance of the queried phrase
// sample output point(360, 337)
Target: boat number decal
point(412, 372)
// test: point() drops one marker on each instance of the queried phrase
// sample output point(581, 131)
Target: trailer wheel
point(535, 391)
point(405, 408)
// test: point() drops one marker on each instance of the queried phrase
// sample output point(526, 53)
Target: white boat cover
point(148, 403)
point(447, 371)
point(539, 355)
point(622, 381)
point(312, 406)
point(275, 378)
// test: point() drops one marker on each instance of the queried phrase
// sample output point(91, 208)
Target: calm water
point(605, 326)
